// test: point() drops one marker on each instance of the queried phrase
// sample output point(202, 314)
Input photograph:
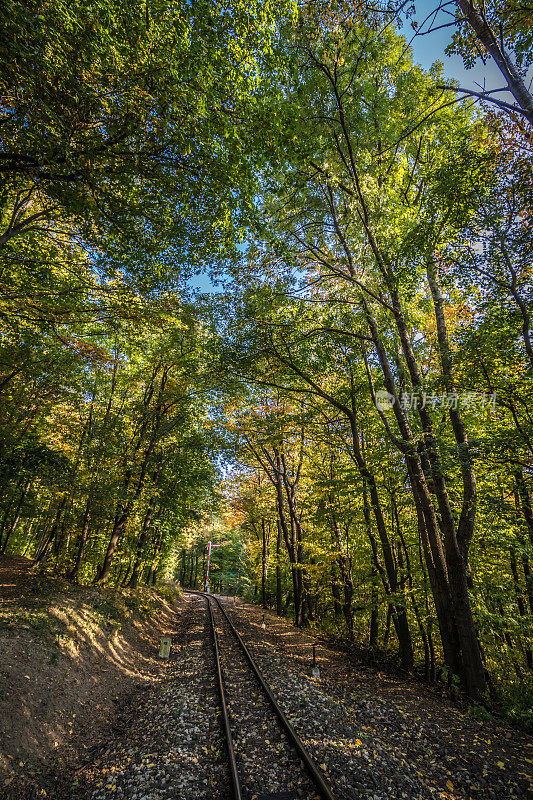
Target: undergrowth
point(512, 702)
point(109, 606)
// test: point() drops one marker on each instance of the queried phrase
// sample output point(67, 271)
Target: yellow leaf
point(449, 786)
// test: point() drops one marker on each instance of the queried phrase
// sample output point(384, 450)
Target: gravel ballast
point(367, 745)
point(373, 737)
point(265, 761)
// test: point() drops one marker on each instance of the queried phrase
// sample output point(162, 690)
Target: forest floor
point(89, 713)
point(73, 661)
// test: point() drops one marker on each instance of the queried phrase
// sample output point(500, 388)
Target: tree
point(120, 122)
point(351, 202)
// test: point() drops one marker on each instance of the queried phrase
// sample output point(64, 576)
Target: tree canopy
point(348, 413)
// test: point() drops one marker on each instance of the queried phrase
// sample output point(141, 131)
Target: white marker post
point(164, 648)
point(315, 671)
point(209, 546)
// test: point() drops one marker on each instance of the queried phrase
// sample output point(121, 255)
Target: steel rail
point(312, 769)
point(235, 782)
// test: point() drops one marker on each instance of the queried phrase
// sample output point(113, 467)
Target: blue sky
point(430, 48)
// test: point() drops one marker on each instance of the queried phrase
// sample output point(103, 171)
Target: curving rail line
point(313, 771)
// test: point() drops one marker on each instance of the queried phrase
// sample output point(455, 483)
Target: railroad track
point(261, 743)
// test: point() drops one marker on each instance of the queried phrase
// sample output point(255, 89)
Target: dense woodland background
point(366, 229)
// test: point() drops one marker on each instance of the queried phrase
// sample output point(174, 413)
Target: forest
point(266, 281)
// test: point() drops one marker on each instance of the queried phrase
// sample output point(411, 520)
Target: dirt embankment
point(71, 657)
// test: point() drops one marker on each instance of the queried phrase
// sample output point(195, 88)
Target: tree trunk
point(388, 574)
point(447, 570)
point(74, 572)
point(374, 611)
point(387, 627)
point(279, 588)
point(119, 523)
point(141, 544)
point(477, 21)
point(191, 569)
point(291, 550)
point(5, 517)
point(183, 568)
point(42, 554)
point(13, 526)
point(265, 549)
point(520, 603)
point(345, 570)
point(335, 593)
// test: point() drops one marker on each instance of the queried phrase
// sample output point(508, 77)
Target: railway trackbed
point(267, 759)
point(368, 742)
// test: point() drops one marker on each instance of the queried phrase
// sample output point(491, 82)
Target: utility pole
point(209, 546)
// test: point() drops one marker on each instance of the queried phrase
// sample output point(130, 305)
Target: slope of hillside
point(72, 657)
